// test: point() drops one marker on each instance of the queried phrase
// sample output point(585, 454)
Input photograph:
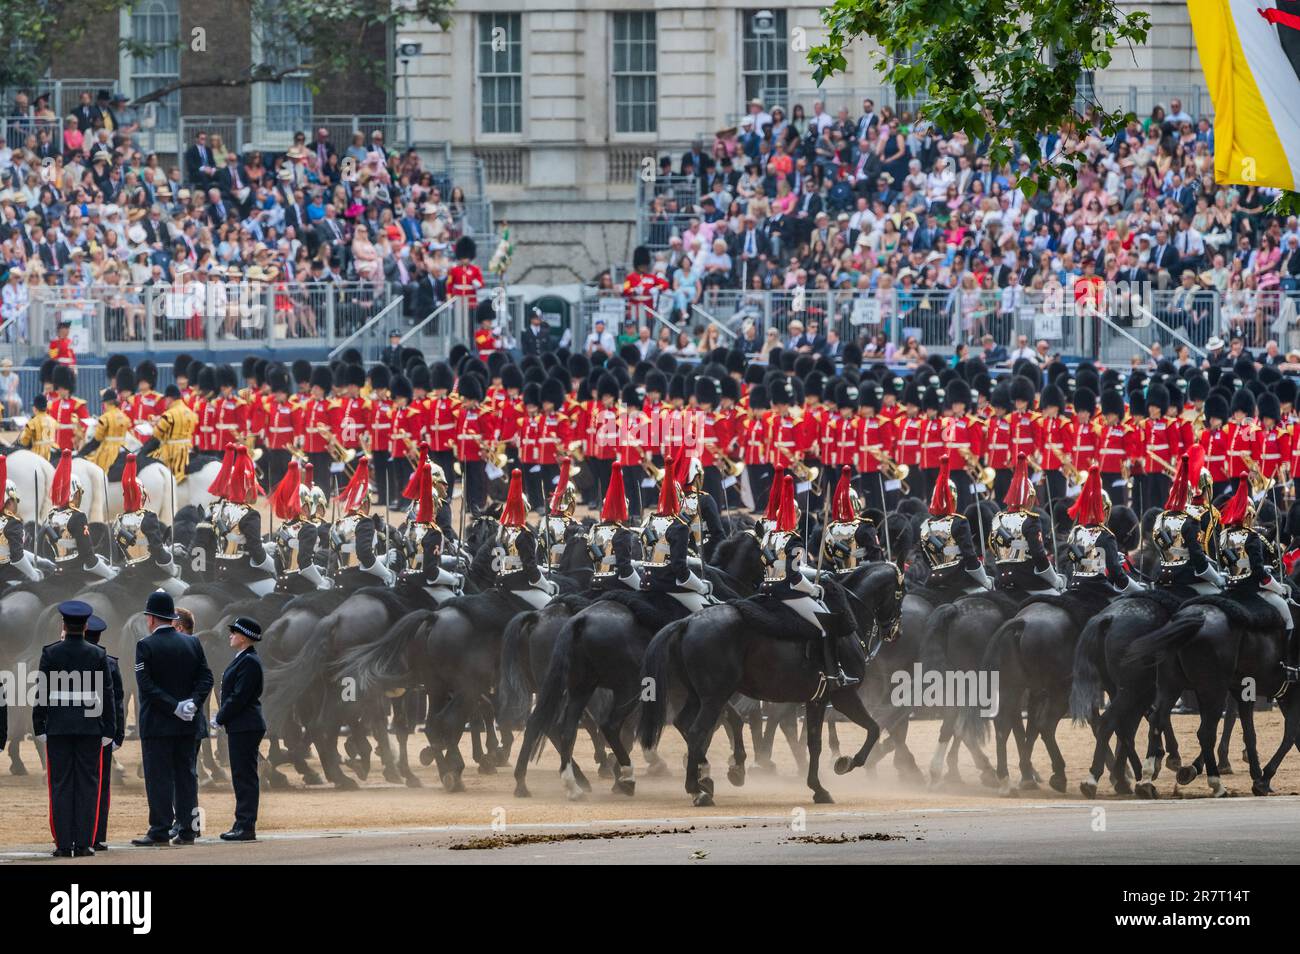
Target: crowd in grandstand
point(90, 209)
point(886, 205)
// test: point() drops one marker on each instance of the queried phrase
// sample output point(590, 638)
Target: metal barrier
point(14, 132)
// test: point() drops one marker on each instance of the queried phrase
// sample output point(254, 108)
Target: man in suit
point(536, 338)
point(329, 232)
point(94, 631)
point(173, 678)
point(1163, 264)
point(240, 715)
point(200, 166)
point(233, 183)
point(74, 718)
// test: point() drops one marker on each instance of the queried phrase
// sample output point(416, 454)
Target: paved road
point(1201, 831)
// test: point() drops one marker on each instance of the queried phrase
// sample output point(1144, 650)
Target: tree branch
point(263, 76)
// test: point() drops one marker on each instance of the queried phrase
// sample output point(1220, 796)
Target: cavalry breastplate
point(602, 550)
point(939, 544)
point(343, 540)
point(1167, 534)
point(1088, 557)
point(286, 542)
point(231, 544)
point(842, 551)
point(65, 545)
point(656, 536)
point(1234, 555)
point(776, 556)
point(5, 555)
point(1007, 537)
point(130, 540)
point(553, 530)
point(507, 551)
point(413, 534)
point(691, 514)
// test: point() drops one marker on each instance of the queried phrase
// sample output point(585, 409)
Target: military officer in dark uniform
point(74, 718)
point(173, 678)
point(240, 714)
point(94, 630)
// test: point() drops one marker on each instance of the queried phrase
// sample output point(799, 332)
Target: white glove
point(214, 723)
point(267, 565)
point(173, 569)
point(104, 743)
point(1052, 577)
point(1212, 574)
point(41, 738)
point(1275, 586)
point(384, 573)
point(185, 710)
point(390, 557)
point(28, 568)
point(102, 569)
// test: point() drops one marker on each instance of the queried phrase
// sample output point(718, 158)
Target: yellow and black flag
point(1250, 51)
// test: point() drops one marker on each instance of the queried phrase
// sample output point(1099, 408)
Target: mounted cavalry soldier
point(1091, 549)
point(1016, 538)
point(297, 538)
point(40, 433)
point(698, 508)
point(1245, 564)
point(16, 564)
point(665, 545)
point(237, 524)
point(66, 533)
point(137, 532)
point(850, 539)
point(946, 541)
point(611, 541)
point(352, 538)
point(1178, 536)
point(785, 559)
point(558, 527)
point(106, 448)
point(514, 556)
point(422, 538)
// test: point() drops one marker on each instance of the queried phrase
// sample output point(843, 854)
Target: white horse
point(164, 493)
point(32, 475)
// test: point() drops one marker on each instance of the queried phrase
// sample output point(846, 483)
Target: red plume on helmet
point(61, 487)
point(941, 502)
point(1178, 490)
point(4, 476)
point(557, 505)
point(1017, 497)
point(615, 507)
point(242, 482)
point(309, 474)
point(1233, 513)
point(1089, 510)
point(412, 488)
point(774, 494)
point(841, 505)
point(788, 517)
point(285, 502)
point(357, 491)
point(682, 468)
point(132, 499)
point(424, 499)
point(1195, 464)
point(513, 514)
point(218, 487)
point(669, 504)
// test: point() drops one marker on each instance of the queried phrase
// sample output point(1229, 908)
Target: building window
point(155, 24)
point(636, 88)
point(764, 57)
point(500, 72)
point(288, 102)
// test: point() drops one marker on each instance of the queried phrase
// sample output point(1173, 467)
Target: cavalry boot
point(1291, 665)
point(836, 677)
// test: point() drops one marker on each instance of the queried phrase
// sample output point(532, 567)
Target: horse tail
point(1086, 688)
point(555, 687)
point(1148, 650)
point(934, 657)
point(1005, 640)
point(288, 683)
point(376, 664)
point(656, 667)
point(513, 690)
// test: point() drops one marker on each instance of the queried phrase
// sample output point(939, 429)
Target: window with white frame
point(155, 26)
point(765, 43)
point(636, 85)
point(288, 102)
point(500, 72)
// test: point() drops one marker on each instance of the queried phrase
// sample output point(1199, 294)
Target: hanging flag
point(1250, 52)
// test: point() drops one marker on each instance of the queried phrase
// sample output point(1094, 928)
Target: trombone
point(891, 469)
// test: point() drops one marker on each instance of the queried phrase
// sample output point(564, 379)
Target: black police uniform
point(75, 715)
point(94, 629)
point(170, 668)
point(240, 714)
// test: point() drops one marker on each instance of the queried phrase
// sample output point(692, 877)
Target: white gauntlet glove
point(102, 569)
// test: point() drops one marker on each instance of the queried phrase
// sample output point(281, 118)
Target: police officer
point(94, 631)
point(75, 719)
point(173, 680)
point(240, 714)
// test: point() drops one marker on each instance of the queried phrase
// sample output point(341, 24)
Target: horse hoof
point(1186, 775)
point(843, 765)
point(487, 768)
point(605, 769)
point(823, 798)
point(413, 782)
point(345, 784)
point(451, 782)
point(1217, 789)
point(989, 778)
point(362, 769)
point(392, 775)
point(1145, 790)
point(1122, 785)
point(309, 778)
point(1173, 762)
point(657, 768)
point(706, 785)
point(1089, 789)
point(624, 788)
point(426, 755)
point(1261, 788)
point(736, 775)
point(1225, 768)
point(18, 768)
point(1028, 785)
point(703, 800)
point(521, 791)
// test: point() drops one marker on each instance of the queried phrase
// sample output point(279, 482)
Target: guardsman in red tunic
point(878, 439)
point(997, 440)
point(1214, 440)
point(148, 403)
point(709, 435)
point(842, 434)
point(1051, 430)
point(230, 414)
point(1023, 421)
point(69, 411)
point(315, 424)
point(631, 429)
point(464, 278)
point(1115, 446)
point(381, 435)
point(641, 287)
point(61, 347)
point(1082, 437)
point(352, 412)
point(544, 432)
point(601, 418)
point(1161, 447)
point(1243, 434)
point(963, 435)
point(783, 431)
point(474, 430)
point(934, 451)
point(911, 428)
point(753, 441)
point(281, 429)
point(1273, 443)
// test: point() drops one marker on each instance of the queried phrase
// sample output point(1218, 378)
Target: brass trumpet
point(335, 447)
point(655, 473)
point(729, 467)
point(1258, 482)
point(803, 472)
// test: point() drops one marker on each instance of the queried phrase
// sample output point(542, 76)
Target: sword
point(1051, 521)
point(884, 500)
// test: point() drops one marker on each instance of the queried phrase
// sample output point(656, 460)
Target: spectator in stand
point(599, 339)
point(9, 382)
